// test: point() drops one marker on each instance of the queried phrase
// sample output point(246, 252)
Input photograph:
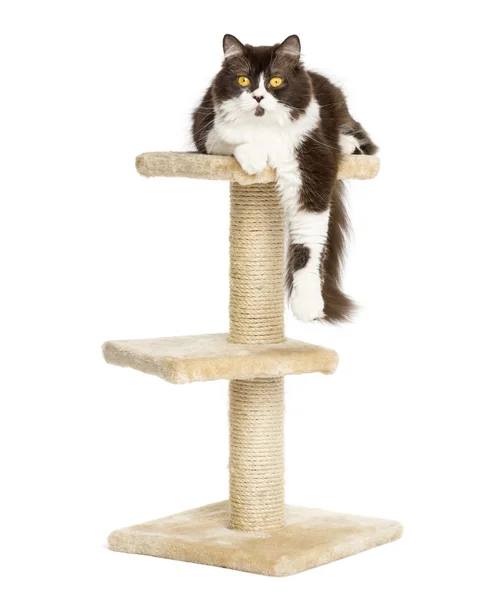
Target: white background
point(90, 251)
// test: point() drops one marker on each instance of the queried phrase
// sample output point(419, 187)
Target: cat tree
point(254, 530)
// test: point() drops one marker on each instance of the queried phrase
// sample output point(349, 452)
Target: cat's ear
point(290, 47)
point(232, 47)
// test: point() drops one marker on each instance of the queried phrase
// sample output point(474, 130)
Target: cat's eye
point(275, 82)
point(244, 81)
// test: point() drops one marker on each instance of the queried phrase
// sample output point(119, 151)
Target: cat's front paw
point(251, 158)
point(306, 302)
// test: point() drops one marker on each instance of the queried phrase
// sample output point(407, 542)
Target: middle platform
point(209, 357)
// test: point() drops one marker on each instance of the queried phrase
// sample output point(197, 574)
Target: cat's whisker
point(204, 118)
point(330, 146)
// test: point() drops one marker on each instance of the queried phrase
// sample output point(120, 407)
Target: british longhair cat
point(265, 108)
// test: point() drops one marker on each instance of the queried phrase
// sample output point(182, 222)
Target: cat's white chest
point(272, 141)
point(275, 136)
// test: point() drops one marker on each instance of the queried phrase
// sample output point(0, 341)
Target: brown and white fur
point(301, 128)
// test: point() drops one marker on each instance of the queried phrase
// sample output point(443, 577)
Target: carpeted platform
point(310, 538)
point(186, 359)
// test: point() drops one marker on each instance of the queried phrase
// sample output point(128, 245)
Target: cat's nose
point(258, 98)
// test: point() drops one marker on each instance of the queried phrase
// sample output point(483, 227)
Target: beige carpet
point(310, 538)
point(203, 166)
point(209, 357)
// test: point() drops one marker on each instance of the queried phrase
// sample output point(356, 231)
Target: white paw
point(306, 302)
point(348, 143)
point(251, 158)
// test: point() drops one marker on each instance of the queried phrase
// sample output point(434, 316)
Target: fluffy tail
point(337, 306)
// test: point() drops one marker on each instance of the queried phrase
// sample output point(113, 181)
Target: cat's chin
point(260, 111)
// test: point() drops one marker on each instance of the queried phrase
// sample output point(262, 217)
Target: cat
point(265, 108)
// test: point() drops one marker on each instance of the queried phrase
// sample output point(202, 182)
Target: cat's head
point(261, 81)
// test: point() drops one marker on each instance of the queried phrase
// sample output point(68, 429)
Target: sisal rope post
point(256, 414)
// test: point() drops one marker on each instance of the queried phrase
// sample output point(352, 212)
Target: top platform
point(225, 168)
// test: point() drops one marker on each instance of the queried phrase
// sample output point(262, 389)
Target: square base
point(310, 538)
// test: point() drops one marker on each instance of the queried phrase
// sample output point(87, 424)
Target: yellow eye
point(244, 81)
point(275, 82)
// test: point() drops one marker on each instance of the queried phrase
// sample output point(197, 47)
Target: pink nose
point(258, 98)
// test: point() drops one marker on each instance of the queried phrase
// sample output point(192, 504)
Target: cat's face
point(261, 82)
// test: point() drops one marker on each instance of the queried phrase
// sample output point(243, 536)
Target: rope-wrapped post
point(256, 413)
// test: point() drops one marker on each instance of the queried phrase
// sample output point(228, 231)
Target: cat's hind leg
point(307, 236)
point(355, 140)
point(317, 228)
point(305, 186)
point(349, 144)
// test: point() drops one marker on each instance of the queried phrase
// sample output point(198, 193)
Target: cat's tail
point(337, 306)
